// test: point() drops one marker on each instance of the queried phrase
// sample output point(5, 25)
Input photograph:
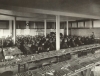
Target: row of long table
point(66, 68)
point(44, 55)
point(50, 54)
point(37, 57)
point(79, 63)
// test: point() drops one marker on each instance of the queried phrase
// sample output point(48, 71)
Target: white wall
point(34, 32)
point(97, 24)
point(87, 31)
point(79, 32)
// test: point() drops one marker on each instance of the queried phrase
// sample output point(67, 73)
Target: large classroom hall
point(49, 37)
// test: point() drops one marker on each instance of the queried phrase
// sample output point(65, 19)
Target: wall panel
point(85, 32)
point(80, 25)
point(96, 24)
point(4, 24)
point(32, 25)
point(88, 24)
point(74, 25)
point(21, 25)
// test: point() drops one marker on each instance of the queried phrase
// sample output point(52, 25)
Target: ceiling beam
point(16, 13)
point(11, 11)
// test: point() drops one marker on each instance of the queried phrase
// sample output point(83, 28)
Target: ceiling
point(86, 7)
point(40, 18)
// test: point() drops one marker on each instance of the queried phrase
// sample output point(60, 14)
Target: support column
point(10, 27)
point(84, 72)
point(79, 74)
point(95, 70)
point(45, 27)
point(57, 32)
point(67, 28)
point(35, 29)
point(14, 30)
point(88, 72)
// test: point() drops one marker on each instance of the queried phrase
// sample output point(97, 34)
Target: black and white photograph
point(49, 37)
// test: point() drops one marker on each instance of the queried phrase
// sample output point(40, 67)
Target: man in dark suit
point(33, 48)
point(64, 44)
point(46, 45)
point(2, 57)
point(73, 42)
point(78, 41)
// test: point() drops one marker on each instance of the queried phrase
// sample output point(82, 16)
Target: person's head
point(92, 32)
point(42, 43)
point(65, 40)
point(47, 39)
point(33, 43)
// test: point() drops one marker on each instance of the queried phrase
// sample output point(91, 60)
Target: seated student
point(10, 43)
point(64, 44)
point(40, 46)
point(93, 36)
point(69, 42)
point(51, 46)
point(78, 41)
point(18, 44)
point(26, 48)
point(22, 47)
point(1, 55)
point(0, 43)
point(4, 43)
point(43, 39)
point(61, 43)
point(83, 40)
point(36, 44)
point(61, 35)
point(33, 48)
point(86, 40)
point(54, 43)
point(89, 40)
point(46, 45)
point(92, 40)
point(73, 42)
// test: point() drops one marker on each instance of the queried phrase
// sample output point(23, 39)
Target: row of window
point(51, 25)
